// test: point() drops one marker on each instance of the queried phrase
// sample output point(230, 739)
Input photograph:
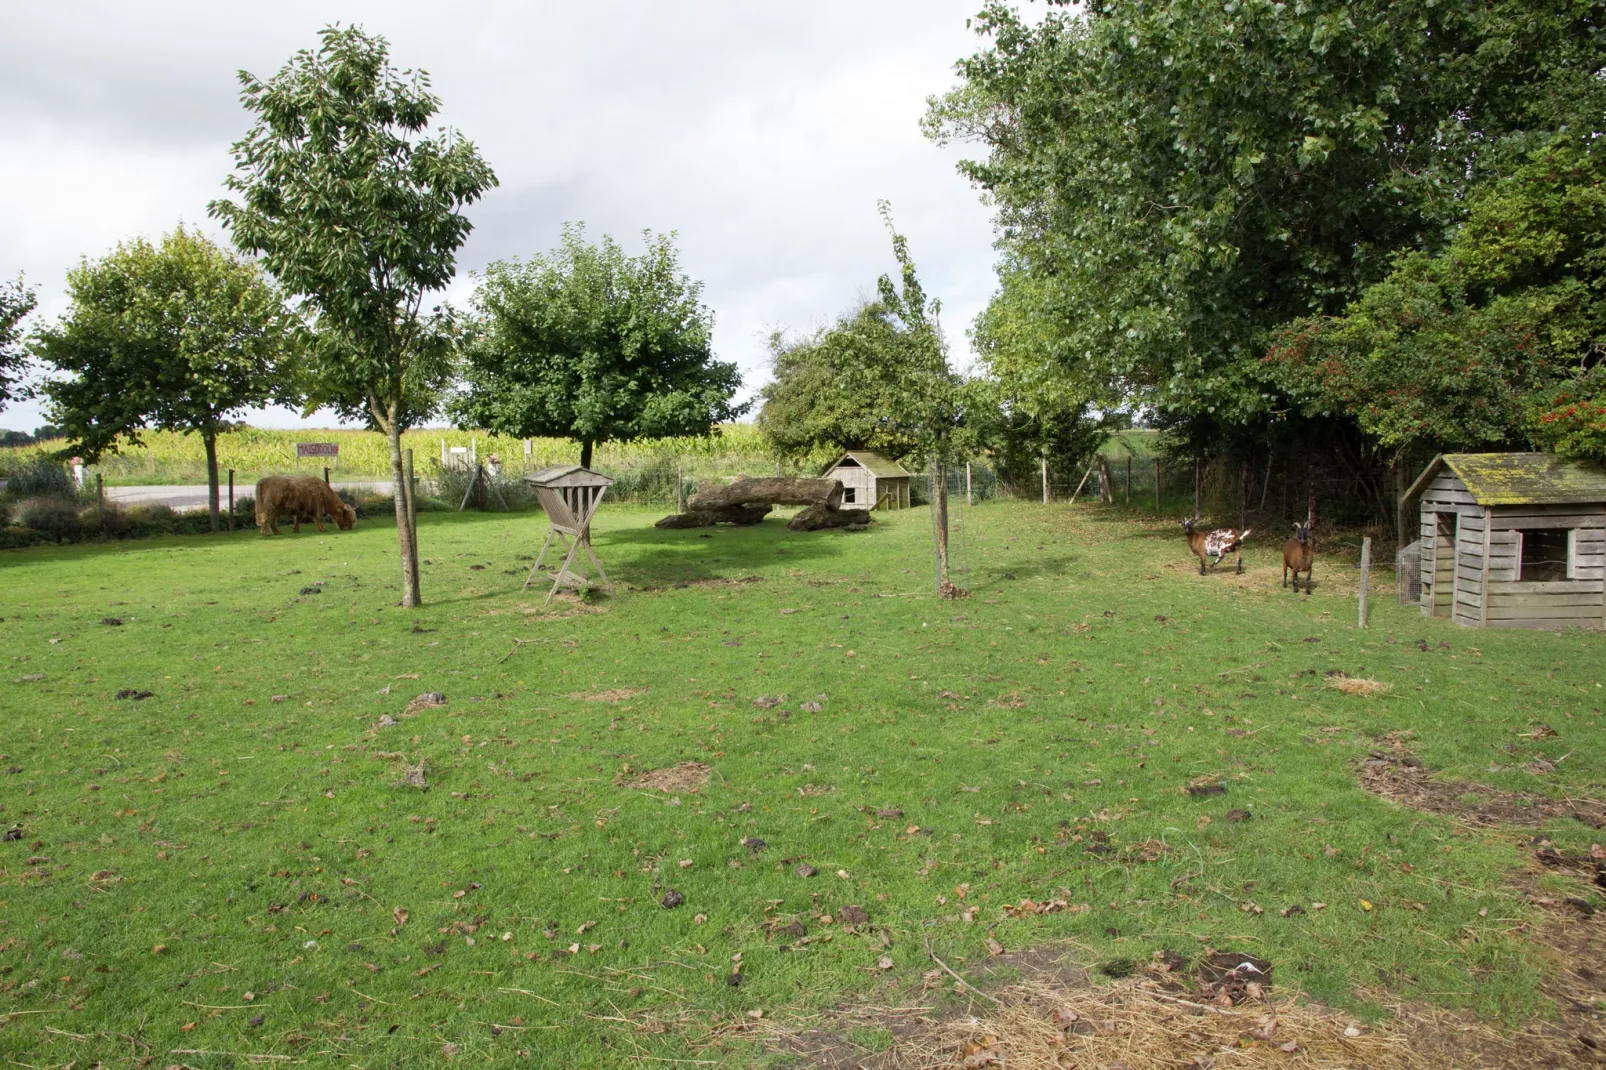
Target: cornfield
point(647, 470)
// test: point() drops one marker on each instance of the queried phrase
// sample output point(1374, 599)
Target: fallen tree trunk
point(740, 515)
point(770, 490)
point(822, 517)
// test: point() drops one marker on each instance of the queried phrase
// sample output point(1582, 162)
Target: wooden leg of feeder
point(574, 548)
point(606, 582)
point(538, 559)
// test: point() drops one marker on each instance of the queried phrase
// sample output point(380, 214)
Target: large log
point(771, 490)
point(740, 515)
point(820, 518)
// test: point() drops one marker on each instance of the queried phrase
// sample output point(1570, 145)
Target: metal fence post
point(231, 499)
point(1045, 480)
point(968, 500)
point(1157, 486)
point(680, 488)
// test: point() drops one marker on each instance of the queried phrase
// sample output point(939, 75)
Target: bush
point(109, 520)
point(52, 515)
point(151, 513)
point(5, 514)
point(40, 476)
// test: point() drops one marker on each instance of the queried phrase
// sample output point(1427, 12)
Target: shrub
point(40, 476)
point(53, 515)
point(5, 514)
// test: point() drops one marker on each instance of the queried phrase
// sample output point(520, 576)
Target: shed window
point(850, 494)
point(1547, 555)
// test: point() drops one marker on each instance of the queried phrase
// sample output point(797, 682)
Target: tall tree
point(357, 210)
point(589, 343)
point(175, 336)
point(1176, 180)
point(16, 301)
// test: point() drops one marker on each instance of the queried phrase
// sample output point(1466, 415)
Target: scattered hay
point(1355, 685)
point(615, 694)
point(429, 700)
point(687, 777)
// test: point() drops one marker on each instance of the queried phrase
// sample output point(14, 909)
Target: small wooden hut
point(1513, 540)
point(870, 481)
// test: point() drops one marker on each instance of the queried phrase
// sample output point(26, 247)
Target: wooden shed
point(1513, 540)
point(870, 481)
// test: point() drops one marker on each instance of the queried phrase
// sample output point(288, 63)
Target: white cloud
point(764, 134)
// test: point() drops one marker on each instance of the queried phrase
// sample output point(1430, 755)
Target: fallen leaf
point(884, 962)
point(994, 947)
point(1366, 905)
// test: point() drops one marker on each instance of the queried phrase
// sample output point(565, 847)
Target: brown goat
point(299, 498)
point(1297, 556)
point(1218, 544)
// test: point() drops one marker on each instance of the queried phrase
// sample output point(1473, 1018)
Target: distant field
point(168, 457)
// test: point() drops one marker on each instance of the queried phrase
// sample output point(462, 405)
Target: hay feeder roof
point(567, 475)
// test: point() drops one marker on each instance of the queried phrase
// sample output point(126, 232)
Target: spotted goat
point(1216, 544)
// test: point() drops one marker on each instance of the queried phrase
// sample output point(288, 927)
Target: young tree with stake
point(356, 209)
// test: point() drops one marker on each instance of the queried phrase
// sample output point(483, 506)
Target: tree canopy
point(357, 211)
point(1176, 182)
point(590, 343)
point(16, 301)
point(178, 336)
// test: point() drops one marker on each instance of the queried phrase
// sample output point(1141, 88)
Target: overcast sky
point(763, 133)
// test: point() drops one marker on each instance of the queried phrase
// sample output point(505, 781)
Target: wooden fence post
point(100, 503)
point(680, 488)
point(1045, 480)
point(326, 475)
point(1157, 486)
point(1196, 478)
point(967, 484)
point(1129, 479)
point(1366, 574)
point(231, 499)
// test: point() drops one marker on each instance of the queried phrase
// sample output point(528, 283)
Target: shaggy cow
point(299, 498)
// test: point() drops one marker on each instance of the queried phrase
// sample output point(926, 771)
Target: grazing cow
point(299, 498)
point(1218, 544)
point(1297, 555)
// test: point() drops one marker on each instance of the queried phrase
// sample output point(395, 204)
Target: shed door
point(1438, 572)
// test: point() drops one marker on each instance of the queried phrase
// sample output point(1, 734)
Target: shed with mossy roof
point(1513, 540)
point(871, 481)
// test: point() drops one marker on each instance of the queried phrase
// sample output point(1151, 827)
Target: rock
point(824, 517)
point(671, 899)
point(777, 490)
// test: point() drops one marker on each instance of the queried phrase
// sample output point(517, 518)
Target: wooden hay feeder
point(1513, 540)
point(569, 494)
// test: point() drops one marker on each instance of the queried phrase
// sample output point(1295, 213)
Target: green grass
point(265, 846)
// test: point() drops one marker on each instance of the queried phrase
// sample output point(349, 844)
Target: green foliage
point(55, 515)
point(39, 474)
point(876, 379)
point(1176, 181)
point(16, 301)
point(175, 336)
point(1476, 347)
point(589, 343)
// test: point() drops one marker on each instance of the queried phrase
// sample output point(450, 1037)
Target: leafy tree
point(1176, 181)
point(174, 336)
point(1495, 342)
point(589, 343)
point(16, 301)
point(877, 378)
point(356, 210)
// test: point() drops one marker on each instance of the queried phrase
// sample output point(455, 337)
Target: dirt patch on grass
point(1353, 685)
point(1401, 777)
point(687, 777)
point(613, 694)
point(1039, 1012)
point(717, 581)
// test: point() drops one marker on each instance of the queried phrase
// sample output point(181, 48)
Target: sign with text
point(317, 449)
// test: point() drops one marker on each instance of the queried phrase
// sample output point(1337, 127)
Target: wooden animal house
point(870, 481)
point(569, 494)
point(1513, 540)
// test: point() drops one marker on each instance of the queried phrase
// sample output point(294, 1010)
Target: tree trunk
point(209, 437)
point(585, 453)
point(939, 505)
point(406, 541)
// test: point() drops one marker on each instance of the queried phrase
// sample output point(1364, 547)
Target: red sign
point(317, 449)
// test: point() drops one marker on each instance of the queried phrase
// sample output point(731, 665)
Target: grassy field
point(235, 865)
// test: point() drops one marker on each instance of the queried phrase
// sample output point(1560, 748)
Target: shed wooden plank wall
point(1578, 602)
point(1445, 497)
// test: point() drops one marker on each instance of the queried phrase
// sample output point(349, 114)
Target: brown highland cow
point(299, 498)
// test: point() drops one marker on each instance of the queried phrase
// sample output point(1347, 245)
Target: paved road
point(194, 497)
